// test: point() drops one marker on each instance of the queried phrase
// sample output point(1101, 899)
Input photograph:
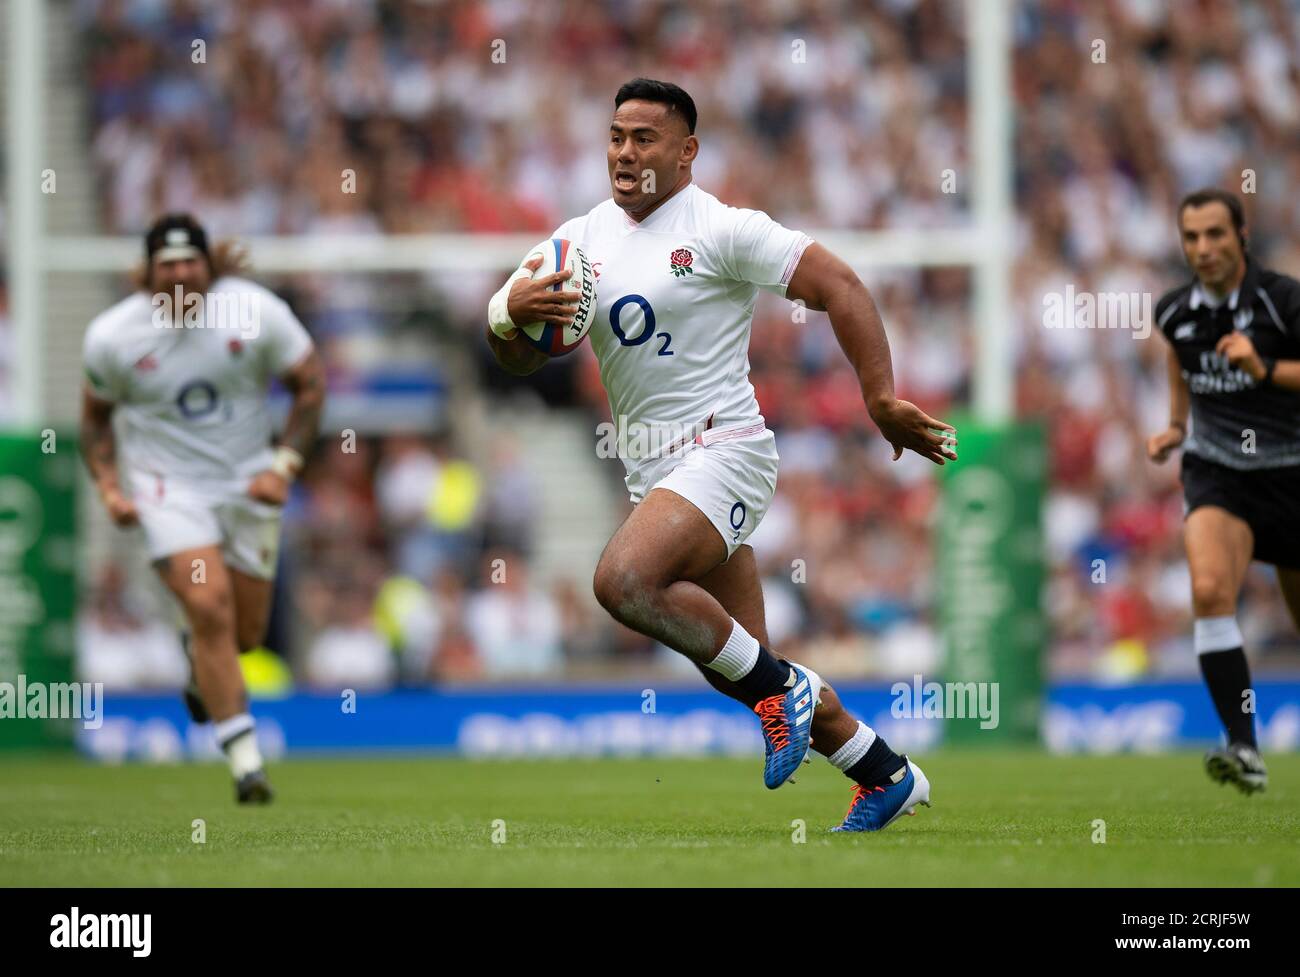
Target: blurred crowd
point(467, 116)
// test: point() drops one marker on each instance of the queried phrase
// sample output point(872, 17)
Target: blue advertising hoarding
point(540, 722)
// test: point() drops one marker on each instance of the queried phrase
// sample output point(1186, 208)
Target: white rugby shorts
point(179, 515)
point(731, 480)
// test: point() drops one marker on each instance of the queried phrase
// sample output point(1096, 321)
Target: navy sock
point(769, 676)
point(877, 766)
point(1228, 677)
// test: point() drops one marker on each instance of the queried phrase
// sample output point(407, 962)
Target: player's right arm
point(1160, 445)
point(99, 448)
point(530, 300)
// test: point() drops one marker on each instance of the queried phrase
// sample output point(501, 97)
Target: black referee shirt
point(1226, 402)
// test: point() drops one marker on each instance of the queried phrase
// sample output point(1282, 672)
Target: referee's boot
point(1238, 764)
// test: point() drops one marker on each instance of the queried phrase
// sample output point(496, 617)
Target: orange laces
point(771, 712)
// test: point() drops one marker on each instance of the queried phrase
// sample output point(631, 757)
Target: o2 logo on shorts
point(198, 398)
point(737, 523)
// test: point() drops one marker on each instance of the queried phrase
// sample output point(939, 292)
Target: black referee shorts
point(1266, 499)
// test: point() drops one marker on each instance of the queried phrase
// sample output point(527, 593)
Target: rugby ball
point(551, 338)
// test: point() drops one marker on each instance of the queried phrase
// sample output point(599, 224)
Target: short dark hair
point(1211, 195)
point(663, 92)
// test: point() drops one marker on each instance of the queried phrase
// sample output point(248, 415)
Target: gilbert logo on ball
point(559, 254)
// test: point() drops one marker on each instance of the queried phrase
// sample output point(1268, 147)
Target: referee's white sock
point(1216, 634)
point(238, 738)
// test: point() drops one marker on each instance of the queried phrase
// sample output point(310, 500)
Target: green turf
point(999, 819)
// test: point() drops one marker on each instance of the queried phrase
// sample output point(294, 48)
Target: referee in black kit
point(1234, 360)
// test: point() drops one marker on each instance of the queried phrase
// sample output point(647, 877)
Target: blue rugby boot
point(787, 725)
point(876, 808)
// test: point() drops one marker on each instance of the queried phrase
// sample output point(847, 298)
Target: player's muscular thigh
point(200, 582)
point(664, 540)
point(643, 577)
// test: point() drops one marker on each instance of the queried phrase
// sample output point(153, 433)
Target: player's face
point(650, 152)
point(1211, 245)
point(191, 274)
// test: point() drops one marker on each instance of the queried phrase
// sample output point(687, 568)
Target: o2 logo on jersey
point(737, 520)
point(198, 398)
point(647, 328)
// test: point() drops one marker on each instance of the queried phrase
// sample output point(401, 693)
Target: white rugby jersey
point(675, 298)
point(193, 401)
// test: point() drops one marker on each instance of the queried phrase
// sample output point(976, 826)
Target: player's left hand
point(906, 426)
point(1240, 353)
point(269, 487)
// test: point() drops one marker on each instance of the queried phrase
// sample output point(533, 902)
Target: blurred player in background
point(184, 362)
point(678, 276)
point(1234, 365)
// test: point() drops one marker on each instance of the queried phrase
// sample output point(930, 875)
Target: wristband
point(287, 463)
point(1270, 364)
point(499, 320)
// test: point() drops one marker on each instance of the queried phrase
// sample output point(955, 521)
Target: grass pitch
point(1000, 819)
